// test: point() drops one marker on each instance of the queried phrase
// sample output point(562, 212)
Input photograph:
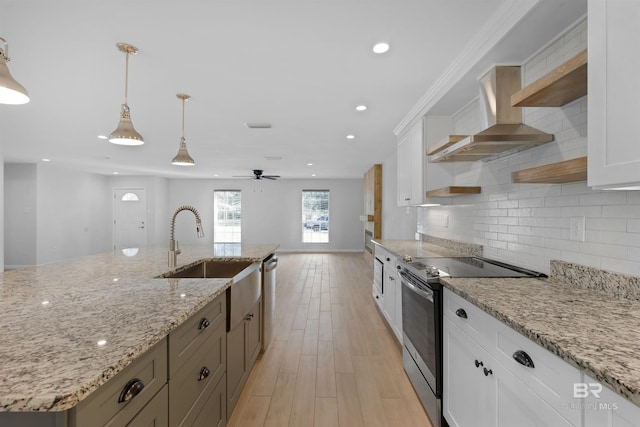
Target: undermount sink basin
point(209, 270)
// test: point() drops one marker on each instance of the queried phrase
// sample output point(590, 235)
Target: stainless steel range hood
point(504, 130)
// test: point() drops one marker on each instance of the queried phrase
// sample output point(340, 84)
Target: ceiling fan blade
point(272, 177)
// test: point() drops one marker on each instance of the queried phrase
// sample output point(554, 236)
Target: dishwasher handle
point(270, 264)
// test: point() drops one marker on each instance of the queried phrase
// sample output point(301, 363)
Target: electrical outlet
point(576, 228)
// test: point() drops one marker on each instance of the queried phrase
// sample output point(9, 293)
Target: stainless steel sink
point(209, 270)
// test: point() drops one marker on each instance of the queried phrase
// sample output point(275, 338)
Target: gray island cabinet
point(132, 351)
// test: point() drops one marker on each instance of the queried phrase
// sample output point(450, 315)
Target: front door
point(130, 219)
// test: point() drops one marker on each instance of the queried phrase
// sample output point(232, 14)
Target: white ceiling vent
point(254, 125)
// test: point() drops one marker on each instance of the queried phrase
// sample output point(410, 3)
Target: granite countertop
point(417, 248)
point(594, 332)
point(68, 327)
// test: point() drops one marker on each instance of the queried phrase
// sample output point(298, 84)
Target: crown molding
point(508, 16)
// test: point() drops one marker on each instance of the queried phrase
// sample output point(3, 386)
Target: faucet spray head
point(199, 228)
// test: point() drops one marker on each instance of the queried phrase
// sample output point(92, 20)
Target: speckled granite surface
point(416, 248)
point(614, 284)
point(52, 318)
point(596, 333)
point(463, 248)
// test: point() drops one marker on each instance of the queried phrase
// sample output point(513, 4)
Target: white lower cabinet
point(483, 387)
point(390, 299)
point(605, 408)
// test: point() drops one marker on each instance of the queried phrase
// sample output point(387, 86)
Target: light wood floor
point(332, 362)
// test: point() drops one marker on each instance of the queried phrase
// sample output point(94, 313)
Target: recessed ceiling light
point(256, 125)
point(46, 160)
point(116, 173)
point(361, 107)
point(215, 174)
point(102, 137)
point(102, 343)
point(381, 47)
point(313, 174)
point(351, 136)
point(309, 164)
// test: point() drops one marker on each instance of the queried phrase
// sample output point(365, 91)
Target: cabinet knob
point(249, 316)
point(204, 373)
point(461, 313)
point(388, 259)
point(523, 358)
point(377, 297)
point(131, 390)
point(204, 323)
point(487, 372)
point(478, 363)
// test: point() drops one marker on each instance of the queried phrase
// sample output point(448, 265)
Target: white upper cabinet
point(415, 173)
point(613, 90)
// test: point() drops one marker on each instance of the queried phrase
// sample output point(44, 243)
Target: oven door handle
point(425, 294)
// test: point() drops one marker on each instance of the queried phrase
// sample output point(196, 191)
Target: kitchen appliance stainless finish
point(422, 319)
point(243, 294)
point(504, 130)
point(268, 298)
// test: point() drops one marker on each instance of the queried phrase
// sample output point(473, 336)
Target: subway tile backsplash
point(529, 224)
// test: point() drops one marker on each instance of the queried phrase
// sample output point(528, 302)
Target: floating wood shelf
point(573, 170)
point(453, 191)
point(559, 87)
point(447, 142)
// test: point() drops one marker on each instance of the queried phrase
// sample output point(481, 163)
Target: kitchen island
point(68, 327)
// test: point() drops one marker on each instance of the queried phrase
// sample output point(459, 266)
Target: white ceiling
point(301, 65)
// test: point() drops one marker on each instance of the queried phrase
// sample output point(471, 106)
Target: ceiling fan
point(257, 174)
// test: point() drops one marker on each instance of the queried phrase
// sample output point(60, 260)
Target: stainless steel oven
point(422, 341)
point(422, 319)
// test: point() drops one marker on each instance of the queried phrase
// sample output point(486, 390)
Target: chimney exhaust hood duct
point(504, 130)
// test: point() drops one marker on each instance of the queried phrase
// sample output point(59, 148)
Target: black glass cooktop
point(470, 267)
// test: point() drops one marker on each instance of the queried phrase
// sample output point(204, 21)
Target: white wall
point(74, 213)
point(272, 211)
point(398, 222)
point(20, 214)
point(1, 203)
point(528, 224)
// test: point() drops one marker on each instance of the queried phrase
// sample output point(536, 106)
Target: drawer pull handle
point(487, 372)
point(131, 390)
point(523, 358)
point(204, 373)
point(204, 323)
point(478, 363)
point(461, 313)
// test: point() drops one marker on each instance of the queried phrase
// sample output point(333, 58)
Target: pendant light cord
point(183, 100)
point(126, 80)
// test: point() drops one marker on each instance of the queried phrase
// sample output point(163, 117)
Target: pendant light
point(183, 158)
point(125, 134)
point(11, 92)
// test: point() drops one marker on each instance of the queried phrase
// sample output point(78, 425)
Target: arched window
point(130, 197)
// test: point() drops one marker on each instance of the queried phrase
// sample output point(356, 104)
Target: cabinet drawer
point(211, 410)
point(551, 378)
point(156, 412)
point(102, 408)
point(197, 377)
point(187, 338)
point(381, 253)
point(476, 323)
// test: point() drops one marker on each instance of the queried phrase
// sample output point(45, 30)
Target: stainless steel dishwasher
point(268, 298)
